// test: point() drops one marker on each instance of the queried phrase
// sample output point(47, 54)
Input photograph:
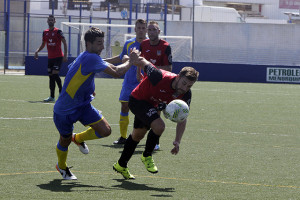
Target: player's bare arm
point(36, 54)
point(114, 60)
point(180, 128)
point(65, 58)
point(166, 67)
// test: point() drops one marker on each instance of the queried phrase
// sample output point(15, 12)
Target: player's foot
point(121, 140)
point(123, 170)
point(82, 146)
point(66, 173)
point(49, 99)
point(157, 147)
point(149, 164)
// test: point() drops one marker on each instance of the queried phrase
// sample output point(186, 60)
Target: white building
point(263, 9)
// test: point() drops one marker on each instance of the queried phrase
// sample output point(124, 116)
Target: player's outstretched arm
point(117, 71)
point(180, 128)
point(114, 60)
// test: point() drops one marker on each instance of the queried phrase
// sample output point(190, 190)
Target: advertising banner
point(284, 75)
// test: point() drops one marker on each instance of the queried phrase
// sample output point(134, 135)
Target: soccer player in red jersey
point(158, 88)
point(53, 37)
point(157, 51)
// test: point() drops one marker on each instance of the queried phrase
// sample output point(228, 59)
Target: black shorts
point(54, 64)
point(144, 113)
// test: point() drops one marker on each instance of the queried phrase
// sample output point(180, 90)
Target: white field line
point(24, 118)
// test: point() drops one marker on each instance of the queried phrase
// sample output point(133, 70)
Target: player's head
point(51, 21)
point(185, 80)
point(94, 40)
point(153, 30)
point(140, 29)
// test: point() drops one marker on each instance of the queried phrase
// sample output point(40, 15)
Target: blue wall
point(207, 71)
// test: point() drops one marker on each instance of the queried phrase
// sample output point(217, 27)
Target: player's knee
point(158, 126)
point(106, 132)
point(65, 141)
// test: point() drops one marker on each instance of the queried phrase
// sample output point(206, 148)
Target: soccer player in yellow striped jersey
point(130, 79)
point(74, 102)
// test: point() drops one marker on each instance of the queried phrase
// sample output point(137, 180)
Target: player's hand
point(36, 55)
point(134, 56)
point(65, 58)
point(161, 106)
point(125, 58)
point(175, 150)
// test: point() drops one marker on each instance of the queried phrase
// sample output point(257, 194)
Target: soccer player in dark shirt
point(157, 51)
point(53, 37)
point(158, 88)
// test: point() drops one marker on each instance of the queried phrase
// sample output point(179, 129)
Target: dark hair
point(190, 73)
point(92, 33)
point(51, 16)
point(141, 21)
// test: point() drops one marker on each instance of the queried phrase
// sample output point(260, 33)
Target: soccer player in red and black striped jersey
point(53, 37)
point(156, 51)
point(158, 88)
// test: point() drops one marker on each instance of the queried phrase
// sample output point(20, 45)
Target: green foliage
point(242, 142)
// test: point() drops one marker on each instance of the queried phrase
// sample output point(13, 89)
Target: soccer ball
point(176, 111)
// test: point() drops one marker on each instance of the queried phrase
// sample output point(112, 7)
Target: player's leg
point(123, 122)
point(51, 98)
point(157, 146)
point(124, 114)
point(55, 73)
point(99, 127)
point(129, 148)
point(65, 128)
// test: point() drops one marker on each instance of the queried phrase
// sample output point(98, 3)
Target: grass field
point(242, 142)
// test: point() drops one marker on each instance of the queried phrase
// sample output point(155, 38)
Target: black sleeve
point(187, 97)
point(169, 54)
point(60, 33)
point(154, 74)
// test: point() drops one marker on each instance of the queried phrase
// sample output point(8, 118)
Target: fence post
point(130, 16)
point(28, 21)
point(7, 23)
point(69, 43)
point(165, 19)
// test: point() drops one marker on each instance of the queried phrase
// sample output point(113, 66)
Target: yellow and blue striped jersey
point(79, 83)
point(130, 76)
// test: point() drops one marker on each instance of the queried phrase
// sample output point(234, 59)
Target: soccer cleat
point(149, 164)
point(66, 173)
point(121, 140)
point(49, 99)
point(82, 146)
point(157, 147)
point(123, 170)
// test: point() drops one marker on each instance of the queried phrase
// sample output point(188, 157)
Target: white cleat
point(82, 146)
point(66, 174)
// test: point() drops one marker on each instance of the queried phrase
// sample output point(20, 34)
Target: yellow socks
point(88, 134)
point(124, 121)
point(62, 154)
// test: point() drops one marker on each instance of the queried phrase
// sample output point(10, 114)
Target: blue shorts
point(87, 115)
point(125, 93)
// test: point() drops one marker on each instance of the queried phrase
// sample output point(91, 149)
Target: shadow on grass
point(58, 185)
point(139, 149)
point(129, 185)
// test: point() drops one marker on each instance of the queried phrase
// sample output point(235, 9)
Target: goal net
point(117, 34)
